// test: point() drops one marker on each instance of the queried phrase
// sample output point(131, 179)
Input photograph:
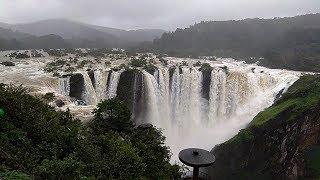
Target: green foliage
point(273, 111)
point(66, 168)
point(70, 69)
point(48, 97)
point(292, 43)
point(55, 65)
point(32, 131)
point(150, 68)
point(150, 145)
point(205, 67)
point(301, 96)
point(39, 141)
point(225, 69)
point(14, 175)
point(22, 56)
point(312, 156)
point(111, 115)
point(245, 135)
point(82, 64)
point(138, 62)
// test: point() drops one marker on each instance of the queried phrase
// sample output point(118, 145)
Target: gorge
point(195, 105)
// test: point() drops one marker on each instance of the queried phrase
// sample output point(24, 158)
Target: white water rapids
point(175, 102)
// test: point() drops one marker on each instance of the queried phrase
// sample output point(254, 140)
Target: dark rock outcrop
point(76, 86)
point(91, 75)
point(130, 91)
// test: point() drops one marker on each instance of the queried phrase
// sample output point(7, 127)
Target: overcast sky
point(164, 14)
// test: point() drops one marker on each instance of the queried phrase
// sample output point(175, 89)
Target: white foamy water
point(175, 102)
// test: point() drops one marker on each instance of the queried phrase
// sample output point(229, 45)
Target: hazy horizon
point(150, 14)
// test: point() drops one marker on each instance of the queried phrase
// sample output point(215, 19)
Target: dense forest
point(38, 142)
point(292, 42)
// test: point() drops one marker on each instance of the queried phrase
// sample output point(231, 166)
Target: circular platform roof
point(196, 157)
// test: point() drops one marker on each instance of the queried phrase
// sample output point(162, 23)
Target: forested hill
point(292, 42)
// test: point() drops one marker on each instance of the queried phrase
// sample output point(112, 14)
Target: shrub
point(48, 97)
point(205, 67)
point(7, 63)
point(22, 56)
point(138, 62)
point(38, 140)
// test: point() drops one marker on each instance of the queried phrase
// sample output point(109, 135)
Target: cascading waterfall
point(101, 78)
point(64, 86)
point(113, 84)
point(152, 95)
point(89, 94)
point(173, 100)
point(235, 97)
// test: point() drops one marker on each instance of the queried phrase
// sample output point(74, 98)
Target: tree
point(112, 115)
point(149, 142)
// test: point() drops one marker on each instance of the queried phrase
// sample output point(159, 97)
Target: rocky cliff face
point(282, 142)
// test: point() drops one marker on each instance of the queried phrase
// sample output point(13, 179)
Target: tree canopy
point(36, 141)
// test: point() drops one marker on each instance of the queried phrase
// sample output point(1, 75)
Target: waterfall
point(64, 86)
point(175, 96)
point(89, 94)
point(152, 95)
point(172, 99)
point(113, 84)
point(163, 104)
point(101, 78)
point(189, 120)
point(217, 101)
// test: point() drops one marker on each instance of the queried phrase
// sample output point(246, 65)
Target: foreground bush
point(39, 142)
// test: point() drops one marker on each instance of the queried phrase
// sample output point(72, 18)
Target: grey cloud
point(165, 14)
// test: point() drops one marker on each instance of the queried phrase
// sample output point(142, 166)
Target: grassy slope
point(301, 97)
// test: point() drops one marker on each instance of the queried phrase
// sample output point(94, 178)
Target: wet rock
point(206, 82)
point(130, 91)
point(76, 86)
point(91, 75)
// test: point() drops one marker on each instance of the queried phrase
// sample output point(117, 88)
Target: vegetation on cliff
point(36, 141)
point(291, 43)
point(281, 142)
